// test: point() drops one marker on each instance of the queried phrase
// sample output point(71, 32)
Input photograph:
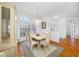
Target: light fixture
point(56, 17)
point(37, 20)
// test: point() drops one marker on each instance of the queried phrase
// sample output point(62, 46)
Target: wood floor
point(69, 49)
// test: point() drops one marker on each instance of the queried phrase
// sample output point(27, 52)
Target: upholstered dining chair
point(45, 43)
point(30, 42)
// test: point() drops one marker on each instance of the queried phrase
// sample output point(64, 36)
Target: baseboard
point(53, 42)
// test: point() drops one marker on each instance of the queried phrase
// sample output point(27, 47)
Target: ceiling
point(49, 8)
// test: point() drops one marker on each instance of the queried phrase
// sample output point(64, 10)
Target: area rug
point(51, 51)
point(40, 52)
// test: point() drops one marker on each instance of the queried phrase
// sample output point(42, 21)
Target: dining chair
point(45, 43)
point(30, 42)
point(33, 42)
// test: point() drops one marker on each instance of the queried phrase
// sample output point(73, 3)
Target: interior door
point(72, 33)
point(70, 30)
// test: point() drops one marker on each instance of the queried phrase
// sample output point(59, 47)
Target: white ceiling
point(49, 8)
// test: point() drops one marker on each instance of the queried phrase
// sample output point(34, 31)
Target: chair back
point(28, 39)
point(46, 39)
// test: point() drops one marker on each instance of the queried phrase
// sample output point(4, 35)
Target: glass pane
point(5, 25)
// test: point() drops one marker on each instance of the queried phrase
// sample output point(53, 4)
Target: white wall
point(60, 29)
point(57, 27)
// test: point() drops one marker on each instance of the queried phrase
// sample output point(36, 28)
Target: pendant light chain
point(37, 11)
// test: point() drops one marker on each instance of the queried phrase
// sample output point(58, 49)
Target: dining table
point(38, 38)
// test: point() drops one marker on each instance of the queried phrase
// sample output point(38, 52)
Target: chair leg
point(31, 47)
point(45, 46)
point(45, 49)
